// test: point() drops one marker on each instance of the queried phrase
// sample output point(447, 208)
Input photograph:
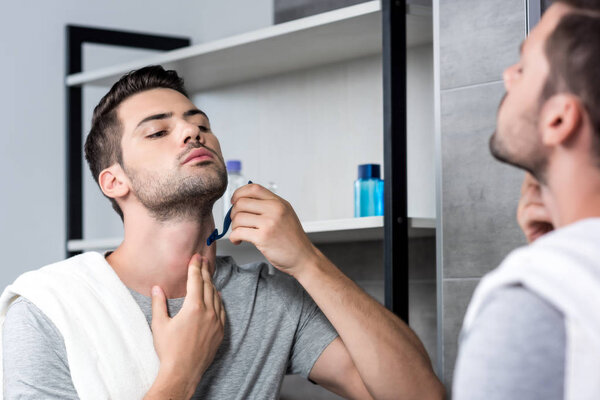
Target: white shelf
point(334, 36)
point(331, 231)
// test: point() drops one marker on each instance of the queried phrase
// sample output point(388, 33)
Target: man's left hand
point(269, 222)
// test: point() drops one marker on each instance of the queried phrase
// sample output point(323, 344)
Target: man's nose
point(192, 132)
point(509, 76)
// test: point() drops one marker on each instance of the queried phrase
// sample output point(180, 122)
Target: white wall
point(32, 67)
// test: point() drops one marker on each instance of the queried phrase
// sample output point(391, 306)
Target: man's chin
point(498, 151)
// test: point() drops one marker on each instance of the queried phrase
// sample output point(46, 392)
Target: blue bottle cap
point(234, 166)
point(369, 171)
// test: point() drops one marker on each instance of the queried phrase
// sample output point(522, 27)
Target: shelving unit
point(366, 29)
point(335, 36)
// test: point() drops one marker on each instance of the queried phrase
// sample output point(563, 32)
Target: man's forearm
point(389, 357)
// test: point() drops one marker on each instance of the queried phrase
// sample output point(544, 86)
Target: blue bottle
point(368, 191)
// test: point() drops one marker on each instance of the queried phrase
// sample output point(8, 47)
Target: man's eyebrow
point(194, 111)
point(188, 113)
point(154, 117)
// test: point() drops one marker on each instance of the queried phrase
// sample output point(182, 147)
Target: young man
point(532, 329)
point(155, 157)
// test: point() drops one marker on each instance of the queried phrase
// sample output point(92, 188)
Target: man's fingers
point(253, 191)
point(535, 213)
point(242, 234)
point(194, 286)
point(248, 205)
point(246, 220)
point(159, 306)
point(222, 316)
point(217, 303)
point(208, 286)
point(529, 182)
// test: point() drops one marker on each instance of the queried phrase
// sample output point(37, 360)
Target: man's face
point(162, 129)
point(518, 139)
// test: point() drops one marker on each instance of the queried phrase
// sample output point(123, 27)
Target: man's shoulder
point(24, 317)
point(516, 317)
point(66, 266)
point(516, 348)
point(521, 306)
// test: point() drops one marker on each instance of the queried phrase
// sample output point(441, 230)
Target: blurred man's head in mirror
point(552, 95)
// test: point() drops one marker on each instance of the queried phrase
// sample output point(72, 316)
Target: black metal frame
point(394, 160)
point(76, 37)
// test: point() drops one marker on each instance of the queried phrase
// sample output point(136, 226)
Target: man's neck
point(573, 192)
point(158, 253)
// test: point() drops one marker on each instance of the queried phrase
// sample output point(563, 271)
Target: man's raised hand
point(532, 214)
point(187, 343)
point(270, 223)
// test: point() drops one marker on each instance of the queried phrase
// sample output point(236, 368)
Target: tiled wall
point(477, 40)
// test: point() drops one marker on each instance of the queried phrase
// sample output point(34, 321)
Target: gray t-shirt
point(514, 350)
point(273, 328)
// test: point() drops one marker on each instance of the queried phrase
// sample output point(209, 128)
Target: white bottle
point(235, 180)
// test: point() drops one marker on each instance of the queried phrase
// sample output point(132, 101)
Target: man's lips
point(199, 154)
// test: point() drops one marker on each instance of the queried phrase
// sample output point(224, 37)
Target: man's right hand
point(532, 214)
point(186, 344)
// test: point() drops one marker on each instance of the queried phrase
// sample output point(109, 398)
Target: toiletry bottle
point(235, 180)
point(368, 191)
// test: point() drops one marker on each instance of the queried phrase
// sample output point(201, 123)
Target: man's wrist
point(171, 384)
point(314, 267)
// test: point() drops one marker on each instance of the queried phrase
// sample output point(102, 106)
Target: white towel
point(563, 268)
point(108, 341)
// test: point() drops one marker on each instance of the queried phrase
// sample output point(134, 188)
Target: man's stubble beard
point(173, 197)
point(525, 149)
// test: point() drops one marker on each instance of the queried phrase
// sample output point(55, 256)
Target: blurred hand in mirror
point(533, 214)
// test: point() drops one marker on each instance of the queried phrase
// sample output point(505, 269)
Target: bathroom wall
point(477, 196)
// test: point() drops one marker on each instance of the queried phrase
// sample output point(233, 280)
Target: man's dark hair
point(573, 53)
point(103, 143)
point(584, 5)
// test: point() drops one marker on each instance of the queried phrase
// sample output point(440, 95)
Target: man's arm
point(34, 356)
point(378, 351)
point(386, 354)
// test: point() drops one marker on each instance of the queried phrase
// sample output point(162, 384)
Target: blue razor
point(226, 223)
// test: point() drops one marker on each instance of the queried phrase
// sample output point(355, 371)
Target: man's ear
point(560, 119)
point(114, 182)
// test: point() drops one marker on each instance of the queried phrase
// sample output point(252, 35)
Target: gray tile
point(480, 195)
point(421, 258)
point(422, 315)
point(360, 261)
point(457, 294)
point(364, 260)
point(478, 39)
